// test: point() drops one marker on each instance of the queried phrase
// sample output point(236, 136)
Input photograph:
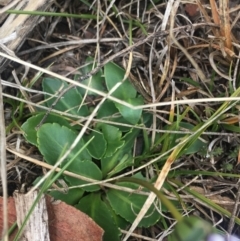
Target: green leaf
point(112, 155)
point(129, 139)
point(195, 147)
point(120, 222)
point(108, 163)
point(122, 158)
point(119, 164)
point(128, 205)
point(113, 75)
point(113, 137)
point(97, 146)
point(70, 102)
point(72, 197)
point(233, 128)
point(130, 114)
point(94, 207)
point(116, 163)
point(29, 127)
point(53, 139)
point(107, 109)
point(96, 81)
point(87, 169)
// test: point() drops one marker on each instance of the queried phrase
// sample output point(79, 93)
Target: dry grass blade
point(225, 27)
point(207, 18)
point(215, 15)
point(234, 212)
point(3, 168)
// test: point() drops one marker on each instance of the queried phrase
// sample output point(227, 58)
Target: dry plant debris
point(176, 54)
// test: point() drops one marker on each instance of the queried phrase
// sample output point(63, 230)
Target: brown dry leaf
point(238, 159)
point(66, 223)
point(192, 10)
point(11, 215)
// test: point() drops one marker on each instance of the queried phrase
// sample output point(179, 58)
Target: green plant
point(108, 154)
point(227, 167)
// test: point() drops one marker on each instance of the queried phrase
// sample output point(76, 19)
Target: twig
point(3, 168)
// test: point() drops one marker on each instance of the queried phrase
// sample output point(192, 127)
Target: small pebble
point(218, 237)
